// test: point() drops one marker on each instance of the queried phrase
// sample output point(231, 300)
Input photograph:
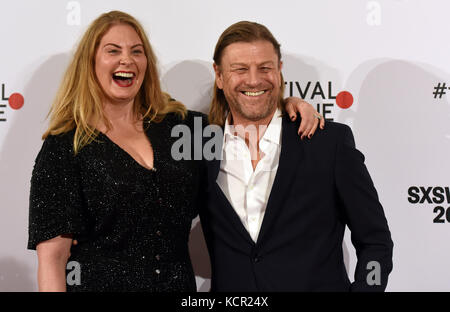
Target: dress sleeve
point(55, 195)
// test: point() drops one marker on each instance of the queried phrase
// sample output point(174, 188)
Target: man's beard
point(255, 115)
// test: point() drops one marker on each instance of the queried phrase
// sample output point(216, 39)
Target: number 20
point(440, 214)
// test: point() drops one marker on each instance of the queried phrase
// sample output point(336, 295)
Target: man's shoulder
point(333, 130)
point(193, 114)
point(336, 127)
point(197, 118)
point(188, 119)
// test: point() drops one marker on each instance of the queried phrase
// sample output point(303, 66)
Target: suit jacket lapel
point(290, 157)
point(229, 212)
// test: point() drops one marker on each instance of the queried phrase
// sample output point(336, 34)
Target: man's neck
point(253, 129)
point(252, 132)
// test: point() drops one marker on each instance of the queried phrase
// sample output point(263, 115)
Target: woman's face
point(120, 64)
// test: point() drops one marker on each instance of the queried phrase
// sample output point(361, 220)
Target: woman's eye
point(138, 52)
point(113, 51)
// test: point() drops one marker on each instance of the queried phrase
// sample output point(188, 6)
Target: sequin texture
point(132, 223)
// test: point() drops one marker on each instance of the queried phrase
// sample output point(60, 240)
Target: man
point(276, 207)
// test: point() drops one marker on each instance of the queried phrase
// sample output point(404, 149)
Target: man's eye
point(266, 68)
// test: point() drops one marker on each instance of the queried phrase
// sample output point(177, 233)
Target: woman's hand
point(310, 117)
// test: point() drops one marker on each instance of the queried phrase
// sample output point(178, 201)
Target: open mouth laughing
point(254, 93)
point(124, 79)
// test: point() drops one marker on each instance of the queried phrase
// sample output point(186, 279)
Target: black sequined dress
point(132, 223)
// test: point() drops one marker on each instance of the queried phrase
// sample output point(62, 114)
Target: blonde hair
point(79, 98)
point(239, 32)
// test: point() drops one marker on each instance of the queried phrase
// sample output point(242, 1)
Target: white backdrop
point(389, 54)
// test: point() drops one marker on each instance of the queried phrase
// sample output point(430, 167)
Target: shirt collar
point(227, 129)
point(272, 133)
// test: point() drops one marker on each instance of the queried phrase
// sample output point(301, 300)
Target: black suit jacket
point(321, 186)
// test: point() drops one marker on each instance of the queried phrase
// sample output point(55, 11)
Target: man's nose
point(254, 77)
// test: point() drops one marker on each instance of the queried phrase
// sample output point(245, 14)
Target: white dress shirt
point(246, 189)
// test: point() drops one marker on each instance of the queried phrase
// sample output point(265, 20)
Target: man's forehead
point(261, 51)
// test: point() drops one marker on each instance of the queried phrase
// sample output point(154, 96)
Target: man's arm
point(365, 217)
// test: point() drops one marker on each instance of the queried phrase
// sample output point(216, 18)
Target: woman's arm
point(310, 117)
point(52, 260)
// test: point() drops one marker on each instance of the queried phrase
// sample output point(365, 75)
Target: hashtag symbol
point(439, 90)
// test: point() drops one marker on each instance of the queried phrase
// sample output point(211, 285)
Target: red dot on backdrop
point(16, 101)
point(344, 99)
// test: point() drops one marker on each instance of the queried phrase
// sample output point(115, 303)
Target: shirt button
point(158, 233)
point(157, 271)
point(256, 259)
point(157, 257)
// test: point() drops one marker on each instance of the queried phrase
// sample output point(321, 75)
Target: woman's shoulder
point(62, 138)
point(57, 146)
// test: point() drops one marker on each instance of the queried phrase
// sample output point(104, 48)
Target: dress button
point(157, 257)
point(157, 271)
point(158, 233)
point(256, 259)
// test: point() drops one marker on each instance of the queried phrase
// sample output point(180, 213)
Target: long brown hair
point(239, 32)
point(79, 98)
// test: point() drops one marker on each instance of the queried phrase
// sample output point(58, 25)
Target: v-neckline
point(151, 143)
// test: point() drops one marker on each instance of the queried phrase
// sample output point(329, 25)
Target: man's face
point(250, 77)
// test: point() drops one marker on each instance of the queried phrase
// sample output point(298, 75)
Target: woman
point(105, 176)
